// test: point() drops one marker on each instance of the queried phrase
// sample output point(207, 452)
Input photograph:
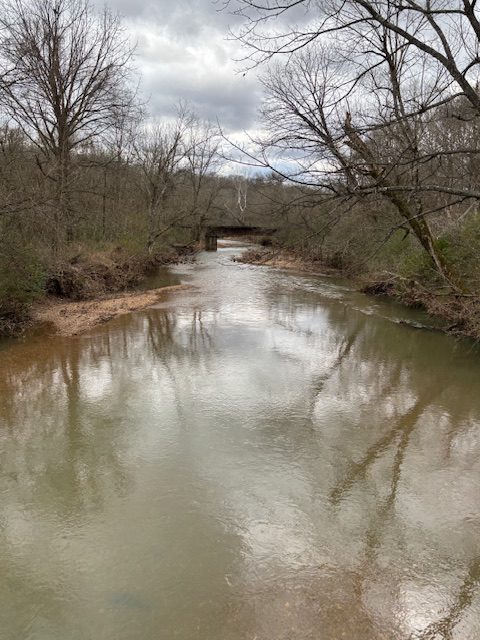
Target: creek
point(268, 455)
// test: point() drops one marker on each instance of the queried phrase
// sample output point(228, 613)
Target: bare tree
point(445, 34)
point(63, 73)
point(361, 90)
point(160, 150)
point(447, 31)
point(201, 162)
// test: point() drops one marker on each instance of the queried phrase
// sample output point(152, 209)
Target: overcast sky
point(183, 52)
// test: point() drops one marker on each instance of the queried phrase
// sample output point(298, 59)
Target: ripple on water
point(269, 455)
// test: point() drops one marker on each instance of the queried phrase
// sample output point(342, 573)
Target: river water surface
point(267, 456)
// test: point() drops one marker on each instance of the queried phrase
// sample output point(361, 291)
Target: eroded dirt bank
point(68, 292)
point(69, 318)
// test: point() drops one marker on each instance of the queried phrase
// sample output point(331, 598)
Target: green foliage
point(416, 264)
point(22, 280)
point(394, 250)
point(462, 247)
point(403, 255)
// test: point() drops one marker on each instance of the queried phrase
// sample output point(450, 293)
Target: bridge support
point(210, 242)
point(211, 234)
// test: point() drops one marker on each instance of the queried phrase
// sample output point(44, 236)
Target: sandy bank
point(68, 318)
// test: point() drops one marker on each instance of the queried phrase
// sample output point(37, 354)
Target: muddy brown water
point(269, 456)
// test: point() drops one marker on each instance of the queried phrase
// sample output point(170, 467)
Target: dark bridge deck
point(214, 232)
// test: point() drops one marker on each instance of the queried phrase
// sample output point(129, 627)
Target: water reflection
point(266, 456)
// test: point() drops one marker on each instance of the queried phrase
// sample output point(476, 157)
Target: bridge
point(212, 233)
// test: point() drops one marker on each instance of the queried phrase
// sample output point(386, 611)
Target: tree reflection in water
point(265, 460)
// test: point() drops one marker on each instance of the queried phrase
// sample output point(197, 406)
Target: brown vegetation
point(92, 274)
point(461, 311)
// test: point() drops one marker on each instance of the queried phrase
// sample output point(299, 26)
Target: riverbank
point(70, 318)
point(84, 288)
point(283, 259)
point(461, 313)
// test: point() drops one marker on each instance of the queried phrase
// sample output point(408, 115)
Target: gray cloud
point(184, 53)
point(166, 12)
point(232, 104)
